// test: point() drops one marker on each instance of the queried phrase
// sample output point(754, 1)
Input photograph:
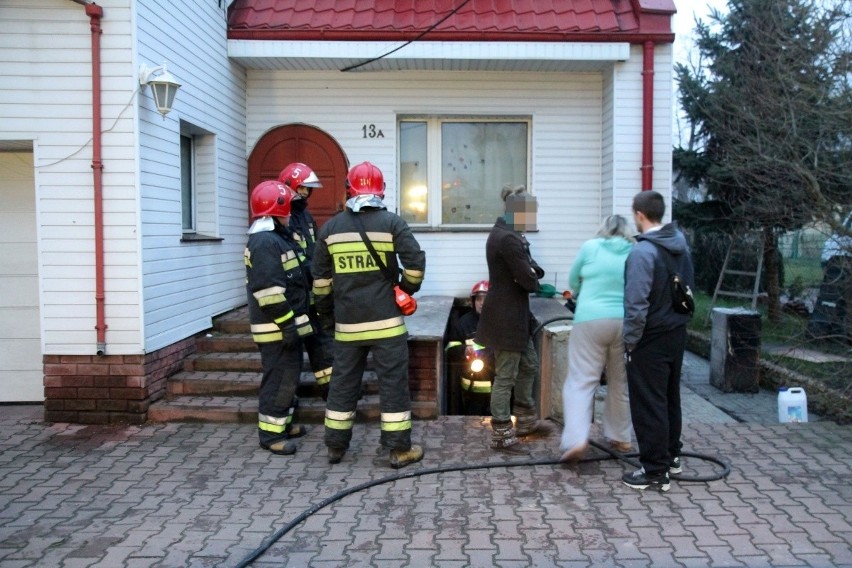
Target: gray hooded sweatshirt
point(648, 305)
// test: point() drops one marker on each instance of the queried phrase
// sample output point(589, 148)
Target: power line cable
point(409, 42)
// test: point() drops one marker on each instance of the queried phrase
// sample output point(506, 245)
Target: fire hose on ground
point(628, 458)
point(725, 470)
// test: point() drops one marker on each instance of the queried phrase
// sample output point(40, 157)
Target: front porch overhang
point(426, 56)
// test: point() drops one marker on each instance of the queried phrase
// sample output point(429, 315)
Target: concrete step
point(237, 409)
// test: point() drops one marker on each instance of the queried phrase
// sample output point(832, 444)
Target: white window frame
point(434, 159)
point(203, 183)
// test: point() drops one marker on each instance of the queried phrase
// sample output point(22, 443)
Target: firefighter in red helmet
point(355, 294)
point(302, 179)
point(475, 362)
point(278, 292)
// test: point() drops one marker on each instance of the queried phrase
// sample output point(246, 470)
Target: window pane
point(186, 183)
point(477, 160)
point(413, 176)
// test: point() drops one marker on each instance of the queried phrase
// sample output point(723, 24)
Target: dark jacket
point(648, 306)
point(512, 275)
point(348, 281)
point(304, 229)
point(277, 286)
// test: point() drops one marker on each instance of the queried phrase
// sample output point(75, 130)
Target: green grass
point(791, 330)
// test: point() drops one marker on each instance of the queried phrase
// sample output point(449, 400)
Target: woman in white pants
point(595, 345)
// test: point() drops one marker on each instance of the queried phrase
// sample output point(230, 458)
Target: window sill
point(477, 229)
point(197, 238)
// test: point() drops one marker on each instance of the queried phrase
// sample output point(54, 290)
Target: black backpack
point(682, 300)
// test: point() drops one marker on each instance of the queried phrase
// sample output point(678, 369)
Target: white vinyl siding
point(186, 282)
point(46, 96)
point(582, 155)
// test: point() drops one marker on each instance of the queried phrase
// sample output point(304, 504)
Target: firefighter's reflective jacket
point(349, 283)
point(278, 289)
point(304, 229)
point(462, 335)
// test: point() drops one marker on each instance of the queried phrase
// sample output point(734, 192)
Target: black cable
point(409, 42)
point(265, 545)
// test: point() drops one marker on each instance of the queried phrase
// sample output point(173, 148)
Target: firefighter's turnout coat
point(319, 346)
point(277, 291)
point(350, 285)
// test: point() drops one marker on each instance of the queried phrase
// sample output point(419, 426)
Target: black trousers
point(281, 370)
point(320, 349)
point(653, 381)
point(390, 360)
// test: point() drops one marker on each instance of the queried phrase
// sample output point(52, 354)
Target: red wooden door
point(302, 143)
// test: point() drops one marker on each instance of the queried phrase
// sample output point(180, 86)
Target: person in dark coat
point(505, 323)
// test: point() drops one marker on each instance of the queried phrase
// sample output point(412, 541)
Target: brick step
point(241, 362)
point(230, 383)
point(235, 321)
point(236, 361)
point(236, 409)
point(225, 342)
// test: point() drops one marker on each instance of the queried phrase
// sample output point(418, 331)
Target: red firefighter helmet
point(365, 179)
point(480, 287)
point(271, 198)
point(298, 174)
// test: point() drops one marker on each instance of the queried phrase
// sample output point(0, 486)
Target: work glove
point(290, 335)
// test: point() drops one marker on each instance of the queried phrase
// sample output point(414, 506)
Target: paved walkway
point(205, 495)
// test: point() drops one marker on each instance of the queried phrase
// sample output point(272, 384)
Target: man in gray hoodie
point(654, 341)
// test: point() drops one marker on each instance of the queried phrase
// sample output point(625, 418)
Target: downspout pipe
point(648, 116)
point(96, 13)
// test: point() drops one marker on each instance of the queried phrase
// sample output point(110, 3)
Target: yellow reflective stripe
point(473, 344)
point(274, 424)
point(392, 327)
point(303, 325)
point(268, 337)
point(369, 325)
point(366, 335)
point(396, 421)
point(339, 415)
point(339, 420)
point(453, 344)
point(475, 386)
point(323, 376)
point(322, 286)
point(413, 276)
point(378, 239)
point(285, 317)
point(273, 419)
point(247, 257)
point(276, 292)
point(270, 300)
point(266, 332)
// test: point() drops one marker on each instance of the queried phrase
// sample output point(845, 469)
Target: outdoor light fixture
point(163, 86)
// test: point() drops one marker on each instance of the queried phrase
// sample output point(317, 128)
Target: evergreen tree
point(771, 109)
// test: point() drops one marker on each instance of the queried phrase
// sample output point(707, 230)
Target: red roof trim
point(633, 21)
point(340, 35)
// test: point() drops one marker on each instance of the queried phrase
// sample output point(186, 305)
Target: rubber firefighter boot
point(503, 438)
point(335, 455)
point(530, 426)
point(281, 447)
point(402, 458)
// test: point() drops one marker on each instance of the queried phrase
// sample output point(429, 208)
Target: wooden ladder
point(749, 245)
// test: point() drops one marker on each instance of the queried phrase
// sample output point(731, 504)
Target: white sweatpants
point(595, 346)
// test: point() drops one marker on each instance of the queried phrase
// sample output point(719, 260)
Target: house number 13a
point(370, 131)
